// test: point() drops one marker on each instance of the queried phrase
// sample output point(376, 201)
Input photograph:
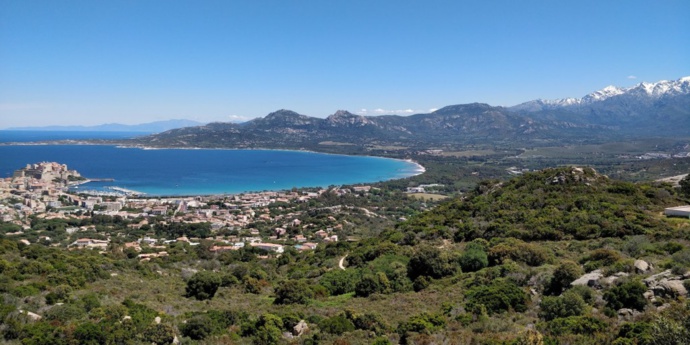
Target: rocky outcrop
point(590, 279)
point(300, 328)
point(30, 315)
point(670, 288)
point(642, 266)
point(665, 284)
point(612, 278)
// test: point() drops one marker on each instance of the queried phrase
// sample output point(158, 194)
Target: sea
point(191, 172)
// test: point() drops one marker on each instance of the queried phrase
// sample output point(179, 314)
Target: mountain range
point(648, 109)
point(659, 109)
point(151, 127)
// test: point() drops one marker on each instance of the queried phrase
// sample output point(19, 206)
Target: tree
point(203, 285)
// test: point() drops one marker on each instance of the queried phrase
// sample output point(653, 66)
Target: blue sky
point(91, 62)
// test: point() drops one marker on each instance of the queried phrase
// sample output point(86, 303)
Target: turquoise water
point(206, 171)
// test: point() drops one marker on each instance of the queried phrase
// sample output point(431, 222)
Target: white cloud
point(238, 118)
point(433, 110)
point(632, 77)
point(382, 111)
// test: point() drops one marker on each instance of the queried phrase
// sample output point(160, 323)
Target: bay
point(206, 171)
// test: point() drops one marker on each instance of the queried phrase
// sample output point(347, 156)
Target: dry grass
point(427, 196)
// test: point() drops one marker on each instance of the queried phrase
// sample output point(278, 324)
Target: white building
point(679, 211)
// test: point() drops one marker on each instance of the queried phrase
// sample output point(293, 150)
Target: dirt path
point(342, 261)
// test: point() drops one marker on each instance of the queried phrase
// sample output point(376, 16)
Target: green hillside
point(502, 264)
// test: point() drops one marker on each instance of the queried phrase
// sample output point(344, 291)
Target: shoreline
point(414, 168)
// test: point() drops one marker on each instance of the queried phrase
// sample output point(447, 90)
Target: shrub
point(421, 283)
point(203, 285)
point(293, 292)
point(516, 250)
point(685, 186)
point(430, 261)
point(639, 332)
point(371, 284)
point(563, 275)
point(368, 322)
point(89, 333)
point(628, 294)
point(338, 324)
point(64, 313)
point(682, 258)
point(585, 292)
point(159, 334)
point(268, 329)
point(600, 257)
point(499, 296)
point(423, 323)
point(576, 325)
point(570, 304)
point(197, 328)
point(340, 282)
point(473, 259)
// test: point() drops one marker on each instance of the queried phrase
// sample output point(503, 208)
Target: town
point(268, 221)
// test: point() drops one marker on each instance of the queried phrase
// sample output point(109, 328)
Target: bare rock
point(641, 266)
point(612, 278)
point(648, 295)
point(187, 273)
point(670, 288)
point(30, 315)
point(653, 279)
point(625, 312)
point(300, 328)
point(589, 279)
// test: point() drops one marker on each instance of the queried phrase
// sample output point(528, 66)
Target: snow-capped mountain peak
point(644, 90)
point(602, 94)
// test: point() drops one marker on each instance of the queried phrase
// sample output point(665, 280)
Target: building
point(270, 247)
point(90, 243)
point(679, 211)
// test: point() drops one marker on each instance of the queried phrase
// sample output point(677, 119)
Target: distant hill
point(647, 110)
point(468, 123)
point(151, 127)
